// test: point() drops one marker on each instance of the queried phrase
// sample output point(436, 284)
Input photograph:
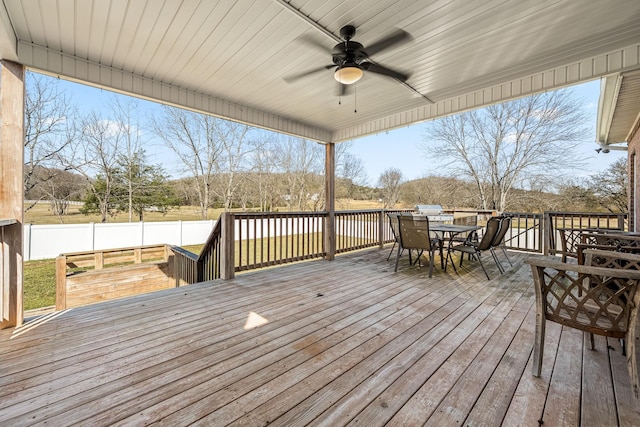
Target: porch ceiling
point(229, 57)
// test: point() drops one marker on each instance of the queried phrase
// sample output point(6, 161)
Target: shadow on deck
point(327, 343)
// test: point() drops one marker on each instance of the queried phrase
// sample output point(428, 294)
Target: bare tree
point(131, 155)
point(192, 137)
point(97, 161)
point(439, 190)
point(611, 186)
point(264, 176)
point(49, 121)
point(497, 147)
point(59, 188)
point(235, 148)
point(389, 182)
point(572, 196)
point(300, 162)
point(350, 170)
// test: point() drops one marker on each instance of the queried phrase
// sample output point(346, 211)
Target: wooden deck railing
point(247, 241)
point(257, 240)
point(191, 268)
point(576, 220)
point(209, 261)
point(361, 229)
point(185, 266)
point(267, 239)
point(84, 277)
point(526, 233)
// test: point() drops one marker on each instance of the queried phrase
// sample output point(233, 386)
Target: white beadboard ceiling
point(229, 57)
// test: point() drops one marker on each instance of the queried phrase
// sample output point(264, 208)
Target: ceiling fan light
point(348, 75)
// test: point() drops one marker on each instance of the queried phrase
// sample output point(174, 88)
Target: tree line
point(606, 191)
point(101, 158)
point(504, 157)
point(520, 155)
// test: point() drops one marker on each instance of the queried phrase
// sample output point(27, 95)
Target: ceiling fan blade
point(395, 38)
point(379, 69)
point(314, 43)
point(293, 77)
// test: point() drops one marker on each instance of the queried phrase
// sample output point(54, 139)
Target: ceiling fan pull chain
point(355, 98)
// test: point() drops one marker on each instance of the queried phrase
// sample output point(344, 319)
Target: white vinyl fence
point(49, 241)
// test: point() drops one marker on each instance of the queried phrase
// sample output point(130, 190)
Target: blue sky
point(399, 148)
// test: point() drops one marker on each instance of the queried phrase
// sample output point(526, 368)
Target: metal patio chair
point(498, 241)
point(597, 300)
point(485, 244)
point(393, 223)
point(414, 235)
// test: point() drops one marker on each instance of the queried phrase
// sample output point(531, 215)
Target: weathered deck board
point(598, 403)
point(529, 398)
point(346, 342)
point(139, 360)
point(627, 408)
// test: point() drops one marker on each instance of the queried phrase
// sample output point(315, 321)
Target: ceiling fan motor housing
point(350, 58)
point(348, 52)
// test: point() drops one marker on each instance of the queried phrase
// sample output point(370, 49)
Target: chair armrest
point(553, 262)
point(611, 259)
point(594, 299)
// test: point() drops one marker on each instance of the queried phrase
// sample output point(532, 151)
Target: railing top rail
point(128, 248)
point(384, 210)
point(211, 240)
point(6, 222)
point(588, 228)
point(184, 252)
point(531, 214)
point(477, 211)
point(277, 214)
point(588, 214)
point(361, 211)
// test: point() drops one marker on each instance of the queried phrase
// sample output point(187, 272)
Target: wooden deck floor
point(347, 342)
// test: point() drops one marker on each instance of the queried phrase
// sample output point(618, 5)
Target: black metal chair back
point(490, 232)
point(505, 223)
point(414, 234)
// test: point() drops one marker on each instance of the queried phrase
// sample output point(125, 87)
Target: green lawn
point(39, 283)
point(41, 214)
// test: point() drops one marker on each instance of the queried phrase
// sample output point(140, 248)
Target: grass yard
point(39, 284)
point(41, 214)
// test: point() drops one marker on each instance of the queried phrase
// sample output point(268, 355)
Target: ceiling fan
point(350, 58)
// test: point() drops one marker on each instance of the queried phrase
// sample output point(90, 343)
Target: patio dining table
point(452, 230)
